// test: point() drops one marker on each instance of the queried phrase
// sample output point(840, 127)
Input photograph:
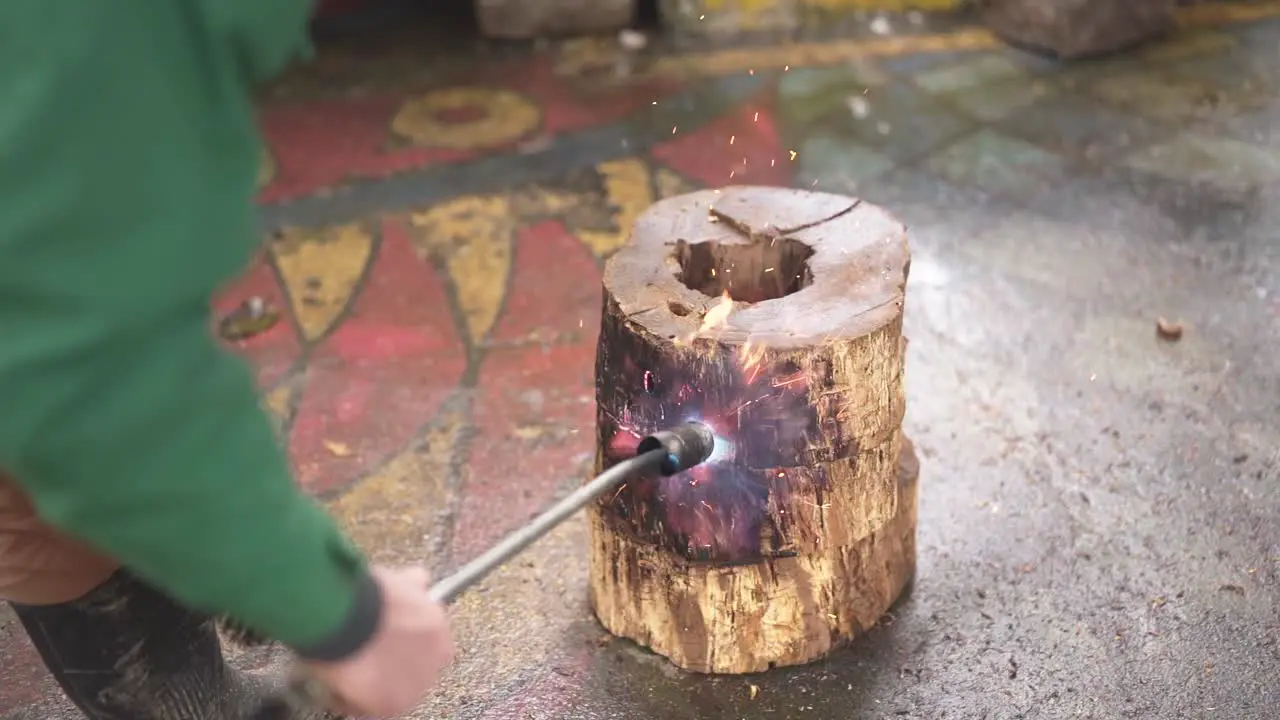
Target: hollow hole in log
point(765, 269)
point(678, 309)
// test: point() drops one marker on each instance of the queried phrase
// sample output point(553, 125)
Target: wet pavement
point(1100, 508)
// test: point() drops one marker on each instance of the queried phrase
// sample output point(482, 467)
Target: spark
point(748, 403)
point(752, 357)
point(732, 138)
point(793, 154)
point(757, 117)
point(674, 128)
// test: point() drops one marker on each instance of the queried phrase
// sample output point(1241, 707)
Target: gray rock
point(1071, 29)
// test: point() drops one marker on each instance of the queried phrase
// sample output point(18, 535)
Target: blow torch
point(665, 453)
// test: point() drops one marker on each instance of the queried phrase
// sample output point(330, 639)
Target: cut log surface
point(775, 316)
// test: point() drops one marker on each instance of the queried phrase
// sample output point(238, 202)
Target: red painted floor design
point(330, 141)
point(381, 375)
point(535, 406)
point(740, 148)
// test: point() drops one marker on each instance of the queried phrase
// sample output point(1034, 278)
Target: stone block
point(726, 19)
point(525, 19)
point(1071, 29)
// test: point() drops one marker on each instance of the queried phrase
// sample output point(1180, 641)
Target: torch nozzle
point(687, 445)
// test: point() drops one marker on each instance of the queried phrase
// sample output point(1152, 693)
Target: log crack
point(772, 234)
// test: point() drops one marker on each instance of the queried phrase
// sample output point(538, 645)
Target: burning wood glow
point(799, 533)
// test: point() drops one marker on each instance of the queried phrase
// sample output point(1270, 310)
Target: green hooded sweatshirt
point(128, 159)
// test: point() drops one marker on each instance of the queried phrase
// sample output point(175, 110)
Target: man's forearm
point(154, 449)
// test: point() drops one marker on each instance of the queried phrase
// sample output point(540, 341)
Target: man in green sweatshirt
point(142, 490)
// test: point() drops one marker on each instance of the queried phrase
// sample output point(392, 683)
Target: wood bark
point(775, 316)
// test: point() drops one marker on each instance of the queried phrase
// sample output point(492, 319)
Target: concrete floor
point(1100, 509)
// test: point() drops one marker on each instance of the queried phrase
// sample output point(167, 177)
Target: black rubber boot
point(125, 651)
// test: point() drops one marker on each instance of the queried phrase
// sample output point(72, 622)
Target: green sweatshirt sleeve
point(153, 447)
point(126, 187)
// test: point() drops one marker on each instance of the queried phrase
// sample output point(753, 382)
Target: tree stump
point(775, 316)
point(1075, 29)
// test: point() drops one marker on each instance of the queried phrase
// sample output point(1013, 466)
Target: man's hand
point(404, 658)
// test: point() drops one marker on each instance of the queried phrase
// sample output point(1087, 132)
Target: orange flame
point(752, 358)
point(718, 315)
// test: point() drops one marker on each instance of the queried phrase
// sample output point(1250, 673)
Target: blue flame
point(724, 451)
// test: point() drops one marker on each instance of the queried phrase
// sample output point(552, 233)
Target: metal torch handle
point(454, 585)
point(304, 691)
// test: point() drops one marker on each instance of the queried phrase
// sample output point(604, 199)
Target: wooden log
point(775, 316)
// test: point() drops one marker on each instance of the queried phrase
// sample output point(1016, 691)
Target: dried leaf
point(338, 449)
point(1168, 330)
point(253, 317)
